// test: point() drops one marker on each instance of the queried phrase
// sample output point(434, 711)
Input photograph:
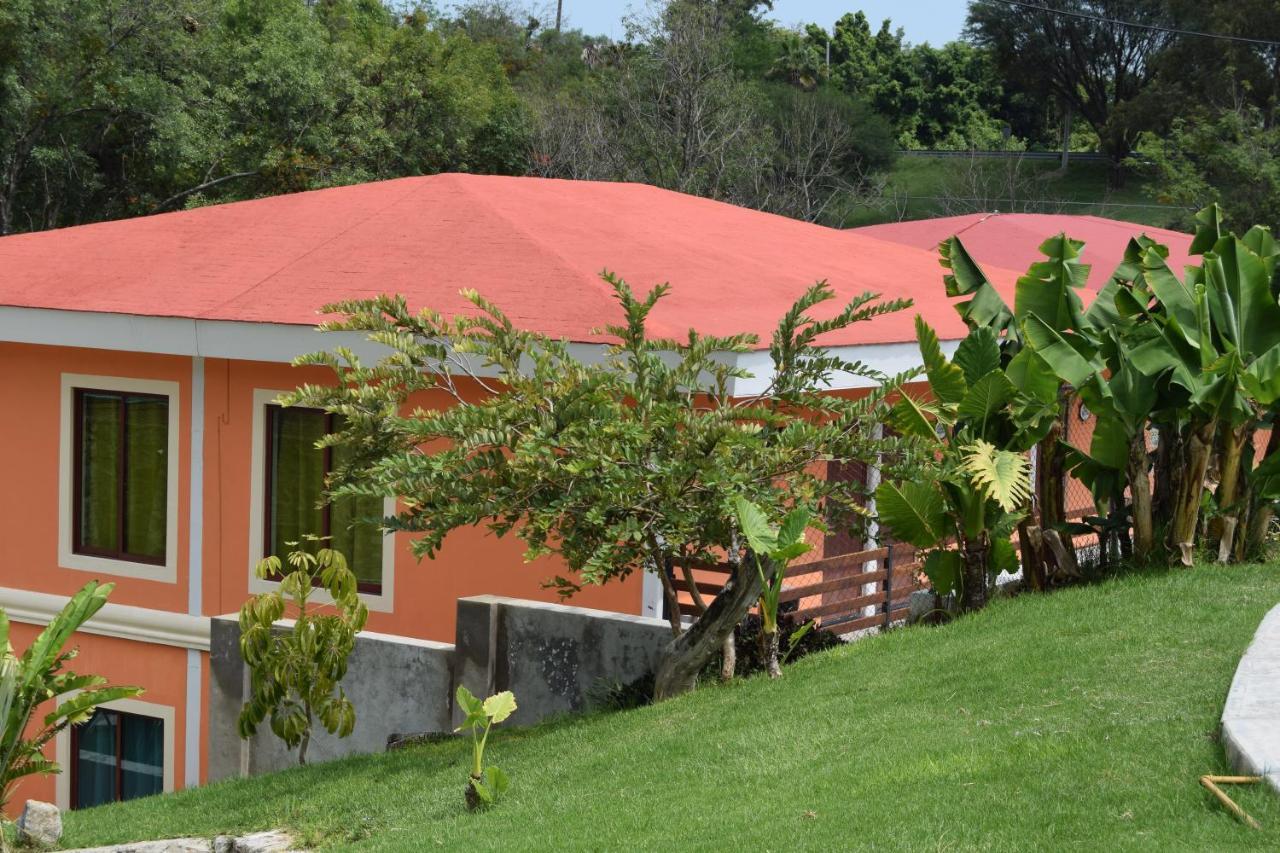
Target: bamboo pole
point(1211, 782)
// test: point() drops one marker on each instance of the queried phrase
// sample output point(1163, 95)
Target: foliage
point(487, 784)
point(295, 672)
point(1232, 158)
point(39, 676)
point(963, 507)
point(128, 107)
point(774, 548)
point(627, 464)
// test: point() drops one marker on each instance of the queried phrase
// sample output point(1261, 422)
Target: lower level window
point(116, 756)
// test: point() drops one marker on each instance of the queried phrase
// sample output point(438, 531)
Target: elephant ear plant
point(771, 549)
point(39, 676)
point(487, 784)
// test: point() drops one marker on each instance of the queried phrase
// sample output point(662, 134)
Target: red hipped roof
point(534, 246)
point(1012, 240)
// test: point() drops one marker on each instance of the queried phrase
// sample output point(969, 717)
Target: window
point(121, 469)
point(294, 490)
point(116, 756)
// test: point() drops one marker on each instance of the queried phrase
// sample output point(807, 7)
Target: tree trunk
point(1066, 136)
point(1229, 486)
point(1186, 509)
point(1255, 537)
point(772, 665)
point(1169, 472)
point(686, 655)
point(1031, 546)
point(729, 656)
point(976, 555)
point(1144, 534)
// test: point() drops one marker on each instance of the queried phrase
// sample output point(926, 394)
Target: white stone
point(40, 823)
point(264, 842)
point(1251, 718)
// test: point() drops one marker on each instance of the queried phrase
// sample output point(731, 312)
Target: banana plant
point(771, 548)
point(1213, 338)
point(979, 425)
point(1049, 288)
point(39, 676)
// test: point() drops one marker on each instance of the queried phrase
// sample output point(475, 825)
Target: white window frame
point(67, 557)
point(381, 602)
point(62, 744)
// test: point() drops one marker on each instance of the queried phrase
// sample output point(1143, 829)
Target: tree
point(1232, 158)
point(39, 676)
point(628, 465)
point(295, 672)
point(1100, 69)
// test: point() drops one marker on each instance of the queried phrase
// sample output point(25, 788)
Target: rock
point(167, 845)
point(274, 841)
point(224, 844)
point(40, 823)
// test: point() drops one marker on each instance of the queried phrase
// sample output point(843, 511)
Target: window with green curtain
point(116, 756)
point(296, 508)
point(122, 448)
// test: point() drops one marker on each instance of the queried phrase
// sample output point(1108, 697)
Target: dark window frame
point(74, 761)
point(268, 496)
point(122, 464)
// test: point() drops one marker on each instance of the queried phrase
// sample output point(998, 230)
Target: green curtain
point(141, 756)
point(297, 479)
point(297, 472)
point(95, 760)
point(146, 476)
point(100, 471)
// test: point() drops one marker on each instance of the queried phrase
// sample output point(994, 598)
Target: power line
point(1085, 16)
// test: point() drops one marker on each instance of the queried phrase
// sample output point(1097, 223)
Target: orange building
point(141, 359)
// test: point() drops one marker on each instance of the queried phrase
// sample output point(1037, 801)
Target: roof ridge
point(415, 183)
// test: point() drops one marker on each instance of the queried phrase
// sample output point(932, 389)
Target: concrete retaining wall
point(1251, 717)
point(397, 684)
point(553, 657)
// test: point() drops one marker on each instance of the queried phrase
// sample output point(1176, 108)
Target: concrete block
point(552, 656)
point(397, 684)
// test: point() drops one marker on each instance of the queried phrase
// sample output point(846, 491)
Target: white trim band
point(140, 624)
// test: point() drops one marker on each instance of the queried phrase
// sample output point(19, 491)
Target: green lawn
point(1078, 720)
point(923, 180)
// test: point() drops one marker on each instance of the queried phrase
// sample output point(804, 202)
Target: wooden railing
point(846, 593)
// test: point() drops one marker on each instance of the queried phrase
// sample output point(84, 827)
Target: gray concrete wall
point(397, 684)
point(553, 657)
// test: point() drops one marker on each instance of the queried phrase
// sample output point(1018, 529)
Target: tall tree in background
point(1094, 66)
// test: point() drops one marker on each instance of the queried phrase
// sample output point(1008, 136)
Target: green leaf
point(499, 706)
point(945, 379)
point(978, 354)
point(1032, 376)
point(1056, 350)
point(760, 535)
point(985, 398)
point(910, 417)
point(1003, 475)
point(1048, 290)
point(496, 780)
point(467, 701)
point(793, 527)
point(943, 569)
point(1262, 378)
point(913, 512)
point(1004, 557)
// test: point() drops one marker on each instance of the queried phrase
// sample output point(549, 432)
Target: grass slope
point(1077, 720)
point(1081, 190)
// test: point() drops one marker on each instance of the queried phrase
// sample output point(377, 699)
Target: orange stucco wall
point(472, 562)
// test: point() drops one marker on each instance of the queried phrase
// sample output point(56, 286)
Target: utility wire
point(1151, 27)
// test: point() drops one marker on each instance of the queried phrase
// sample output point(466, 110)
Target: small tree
point(295, 672)
point(39, 676)
point(624, 465)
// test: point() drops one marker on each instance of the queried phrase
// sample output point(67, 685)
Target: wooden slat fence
point(846, 593)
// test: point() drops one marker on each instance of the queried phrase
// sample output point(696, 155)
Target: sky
point(934, 21)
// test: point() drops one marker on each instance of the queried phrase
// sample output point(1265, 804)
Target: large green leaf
point(499, 706)
point(1032, 376)
point(911, 417)
point(760, 534)
point(1239, 289)
point(986, 397)
point(978, 354)
point(1262, 378)
point(945, 379)
point(1048, 290)
point(1072, 366)
point(985, 307)
point(943, 570)
point(913, 512)
point(1003, 475)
